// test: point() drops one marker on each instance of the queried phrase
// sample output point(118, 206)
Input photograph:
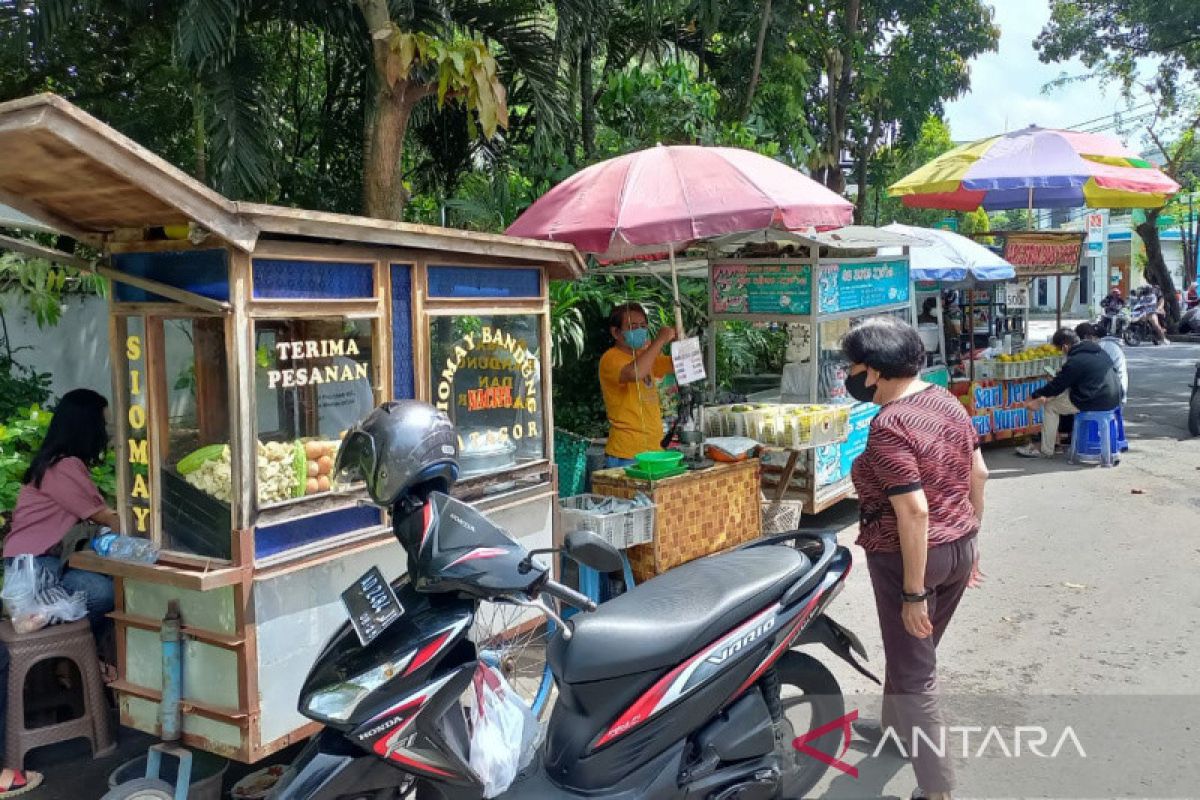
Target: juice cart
point(245, 339)
point(815, 284)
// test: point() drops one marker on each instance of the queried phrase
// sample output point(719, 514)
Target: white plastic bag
point(504, 732)
point(34, 598)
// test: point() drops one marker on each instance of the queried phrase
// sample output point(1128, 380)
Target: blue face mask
point(636, 338)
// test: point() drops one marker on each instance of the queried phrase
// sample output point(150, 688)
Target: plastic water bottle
point(125, 548)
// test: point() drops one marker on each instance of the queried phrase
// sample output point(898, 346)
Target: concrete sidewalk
point(1091, 580)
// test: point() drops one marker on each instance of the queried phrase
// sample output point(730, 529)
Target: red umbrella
point(664, 197)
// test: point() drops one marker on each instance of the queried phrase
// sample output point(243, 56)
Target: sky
point(1006, 86)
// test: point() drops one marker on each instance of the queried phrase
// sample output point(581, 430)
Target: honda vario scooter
point(690, 685)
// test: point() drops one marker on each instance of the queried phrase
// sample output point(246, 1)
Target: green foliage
point(644, 107)
point(21, 387)
point(21, 435)
point(1114, 37)
point(42, 285)
point(893, 163)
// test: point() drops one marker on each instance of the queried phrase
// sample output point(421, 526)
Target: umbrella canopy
point(1037, 168)
point(947, 257)
point(646, 202)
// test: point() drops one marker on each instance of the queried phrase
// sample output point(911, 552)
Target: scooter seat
point(667, 619)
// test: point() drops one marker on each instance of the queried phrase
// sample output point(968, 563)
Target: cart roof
point(851, 237)
point(70, 172)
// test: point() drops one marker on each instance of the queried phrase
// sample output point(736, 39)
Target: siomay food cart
point(245, 339)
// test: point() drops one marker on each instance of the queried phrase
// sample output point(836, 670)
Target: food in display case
point(285, 470)
point(486, 451)
point(779, 425)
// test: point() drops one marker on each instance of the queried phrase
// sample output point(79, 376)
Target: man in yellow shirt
point(629, 375)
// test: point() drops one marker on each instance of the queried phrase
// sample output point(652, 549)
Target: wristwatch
point(916, 597)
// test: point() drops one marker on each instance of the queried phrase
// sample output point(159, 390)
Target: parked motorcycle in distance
point(1112, 322)
point(687, 687)
point(1139, 329)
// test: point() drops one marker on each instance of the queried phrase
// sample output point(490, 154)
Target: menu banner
point(762, 288)
point(862, 285)
point(1036, 254)
point(786, 289)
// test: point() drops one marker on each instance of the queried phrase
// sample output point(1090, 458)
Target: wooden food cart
point(244, 340)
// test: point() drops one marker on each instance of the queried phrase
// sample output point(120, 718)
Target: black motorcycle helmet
point(403, 448)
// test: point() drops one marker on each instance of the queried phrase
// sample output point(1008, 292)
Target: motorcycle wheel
point(513, 639)
point(1194, 414)
point(1131, 336)
point(810, 697)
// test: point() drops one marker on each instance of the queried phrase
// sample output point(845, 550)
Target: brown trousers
point(910, 675)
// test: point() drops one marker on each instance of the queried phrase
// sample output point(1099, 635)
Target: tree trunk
point(384, 195)
point(841, 76)
point(387, 117)
point(756, 70)
point(1157, 273)
point(587, 99)
point(199, 135)
point(862, 157)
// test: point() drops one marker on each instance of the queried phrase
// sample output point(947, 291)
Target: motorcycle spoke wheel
point(513, 639)
point(810, 698)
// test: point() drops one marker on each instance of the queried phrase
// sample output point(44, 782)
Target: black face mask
point(857, 387)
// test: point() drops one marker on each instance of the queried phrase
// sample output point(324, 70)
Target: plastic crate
point(570, 454)
point(625, 529)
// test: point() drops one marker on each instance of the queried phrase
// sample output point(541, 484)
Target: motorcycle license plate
point(372, 605)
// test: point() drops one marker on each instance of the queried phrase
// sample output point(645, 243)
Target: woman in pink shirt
point(58, 494)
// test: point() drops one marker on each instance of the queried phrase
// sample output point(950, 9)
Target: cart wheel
point(142, 789)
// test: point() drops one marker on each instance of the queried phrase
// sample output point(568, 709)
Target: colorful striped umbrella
point(1037, 168)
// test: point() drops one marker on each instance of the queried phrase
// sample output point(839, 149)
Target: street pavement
point(1091, 582)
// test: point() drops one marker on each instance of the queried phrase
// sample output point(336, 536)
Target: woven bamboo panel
point(697, 514)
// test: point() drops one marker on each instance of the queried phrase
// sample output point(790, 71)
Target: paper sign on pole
point(688, 360)
point(1016, 295)
point(1097, 231)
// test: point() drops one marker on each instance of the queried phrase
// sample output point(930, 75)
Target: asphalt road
point(1091, 585)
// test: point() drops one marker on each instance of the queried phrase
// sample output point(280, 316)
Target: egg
point(314, 469)
point(312, 487)
point(323, 483)
point(314, 450)
point(324, 465)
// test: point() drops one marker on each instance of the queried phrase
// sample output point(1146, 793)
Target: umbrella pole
point(675, 290)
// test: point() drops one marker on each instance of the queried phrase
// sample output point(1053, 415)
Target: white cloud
point(1007, 86)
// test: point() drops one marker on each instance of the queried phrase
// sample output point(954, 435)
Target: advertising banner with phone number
point(862, 285)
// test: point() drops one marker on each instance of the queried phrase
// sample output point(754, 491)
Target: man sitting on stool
point(1087, 382)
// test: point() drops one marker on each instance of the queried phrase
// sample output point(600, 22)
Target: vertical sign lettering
point(139, 442)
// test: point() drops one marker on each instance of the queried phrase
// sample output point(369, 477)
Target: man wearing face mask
point(629, 375)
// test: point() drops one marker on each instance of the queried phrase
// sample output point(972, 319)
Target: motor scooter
point(691, 685)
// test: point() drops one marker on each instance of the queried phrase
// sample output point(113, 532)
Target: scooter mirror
point(590, 550)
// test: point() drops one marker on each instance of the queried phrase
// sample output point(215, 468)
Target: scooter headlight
point(338, 701)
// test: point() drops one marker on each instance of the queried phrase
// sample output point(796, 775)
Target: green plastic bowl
point(658, 462)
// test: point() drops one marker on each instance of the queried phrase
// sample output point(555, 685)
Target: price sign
point(688, 361)
point(372, 605)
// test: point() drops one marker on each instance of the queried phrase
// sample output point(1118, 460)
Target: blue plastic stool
point(1095, 438)
point(1122, 442)
point(589, 583)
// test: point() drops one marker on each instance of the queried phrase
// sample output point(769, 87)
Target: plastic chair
point(1095, 438)
point(72, 641)
point(1122, 442)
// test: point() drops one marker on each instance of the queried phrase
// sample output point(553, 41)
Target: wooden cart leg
point(789, 470)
